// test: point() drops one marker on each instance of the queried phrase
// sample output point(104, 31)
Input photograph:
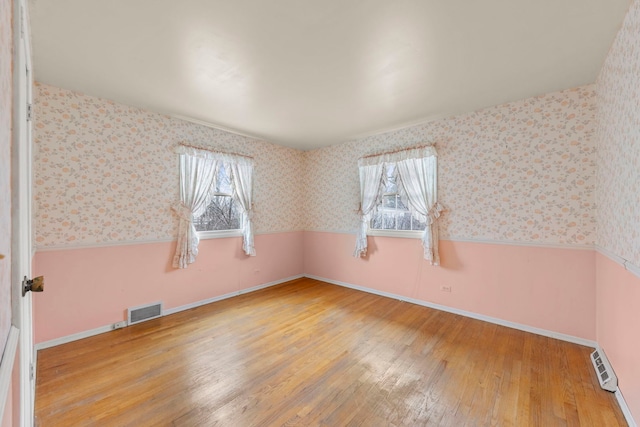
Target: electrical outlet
point(119, 325)
point(445, 288)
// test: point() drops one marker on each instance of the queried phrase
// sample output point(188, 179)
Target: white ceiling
point(307, 73)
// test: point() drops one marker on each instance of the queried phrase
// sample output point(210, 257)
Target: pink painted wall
point(92, 287)
point(547, 288)
point(618, 314)
point(618, 206)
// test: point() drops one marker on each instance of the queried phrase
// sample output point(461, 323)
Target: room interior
point(541, 229)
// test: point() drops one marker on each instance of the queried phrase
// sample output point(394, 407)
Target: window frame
point(219, 234)
point(405, 234)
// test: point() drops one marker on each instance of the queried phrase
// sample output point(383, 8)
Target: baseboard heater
point(144, 312)
point(604, 371)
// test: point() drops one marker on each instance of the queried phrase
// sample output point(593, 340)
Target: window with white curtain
point(222, 217)
point(392, 216)
point(216, 196)
point(399, 197)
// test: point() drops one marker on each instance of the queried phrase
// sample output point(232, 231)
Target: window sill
point(219, 234)
point(406, 234)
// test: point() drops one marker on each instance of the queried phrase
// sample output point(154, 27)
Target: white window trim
point(406, 234)
point(222, 234)
point(219, 234)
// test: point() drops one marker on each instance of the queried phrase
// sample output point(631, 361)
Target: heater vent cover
point(144, 312)
point(604, 372)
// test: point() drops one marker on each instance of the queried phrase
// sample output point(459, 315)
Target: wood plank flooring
point(307, 353)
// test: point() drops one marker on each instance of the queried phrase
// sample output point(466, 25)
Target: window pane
point(401, 205)
point(392, 186)
point(389, 201)
point(221, 214)
point(388, 220)
point(223, 183)
point(404, 221)
point(417, 225)
point(391, 213)
point(376, 221)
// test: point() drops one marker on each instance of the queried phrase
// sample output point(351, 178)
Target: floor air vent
point(606, 376)
point(144, 312)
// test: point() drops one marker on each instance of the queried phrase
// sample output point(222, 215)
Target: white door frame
point(22, 240)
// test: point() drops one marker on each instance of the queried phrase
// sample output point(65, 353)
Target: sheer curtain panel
point(370, 193)
point(242, 181)
point(198, 174)
point(198, 170)
point(419, 190)
point(417, 170)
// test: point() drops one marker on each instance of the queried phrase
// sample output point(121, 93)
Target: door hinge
point(29, 112)
point(31, 371)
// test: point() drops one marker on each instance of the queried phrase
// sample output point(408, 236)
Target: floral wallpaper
point(523, 171)
point(6, 93)
point(106, 172)
point(618, 143)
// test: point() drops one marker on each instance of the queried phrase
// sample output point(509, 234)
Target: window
point(399, 197)
point(216, 198)
point(222, 213)
point(391, 214)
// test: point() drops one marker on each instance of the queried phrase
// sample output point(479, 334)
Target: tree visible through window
point(392, 213)
point(222, 212)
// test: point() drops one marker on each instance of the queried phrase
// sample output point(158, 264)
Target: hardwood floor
point(307, 353)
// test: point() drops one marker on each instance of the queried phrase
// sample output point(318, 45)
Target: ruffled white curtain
point(419, 190)
point(197, 177)
point(242, 181)
point(370, 193)
point(198, 174)
point(418, 187)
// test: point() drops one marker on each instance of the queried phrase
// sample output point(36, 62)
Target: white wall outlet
point(119, 325)
point(445, 288)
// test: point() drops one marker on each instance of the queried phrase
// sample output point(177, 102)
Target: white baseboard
point(73, 337)
point(519, 326)
point(625, 409)
point(229, 295)
point(107, 328)
point(6, 367)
